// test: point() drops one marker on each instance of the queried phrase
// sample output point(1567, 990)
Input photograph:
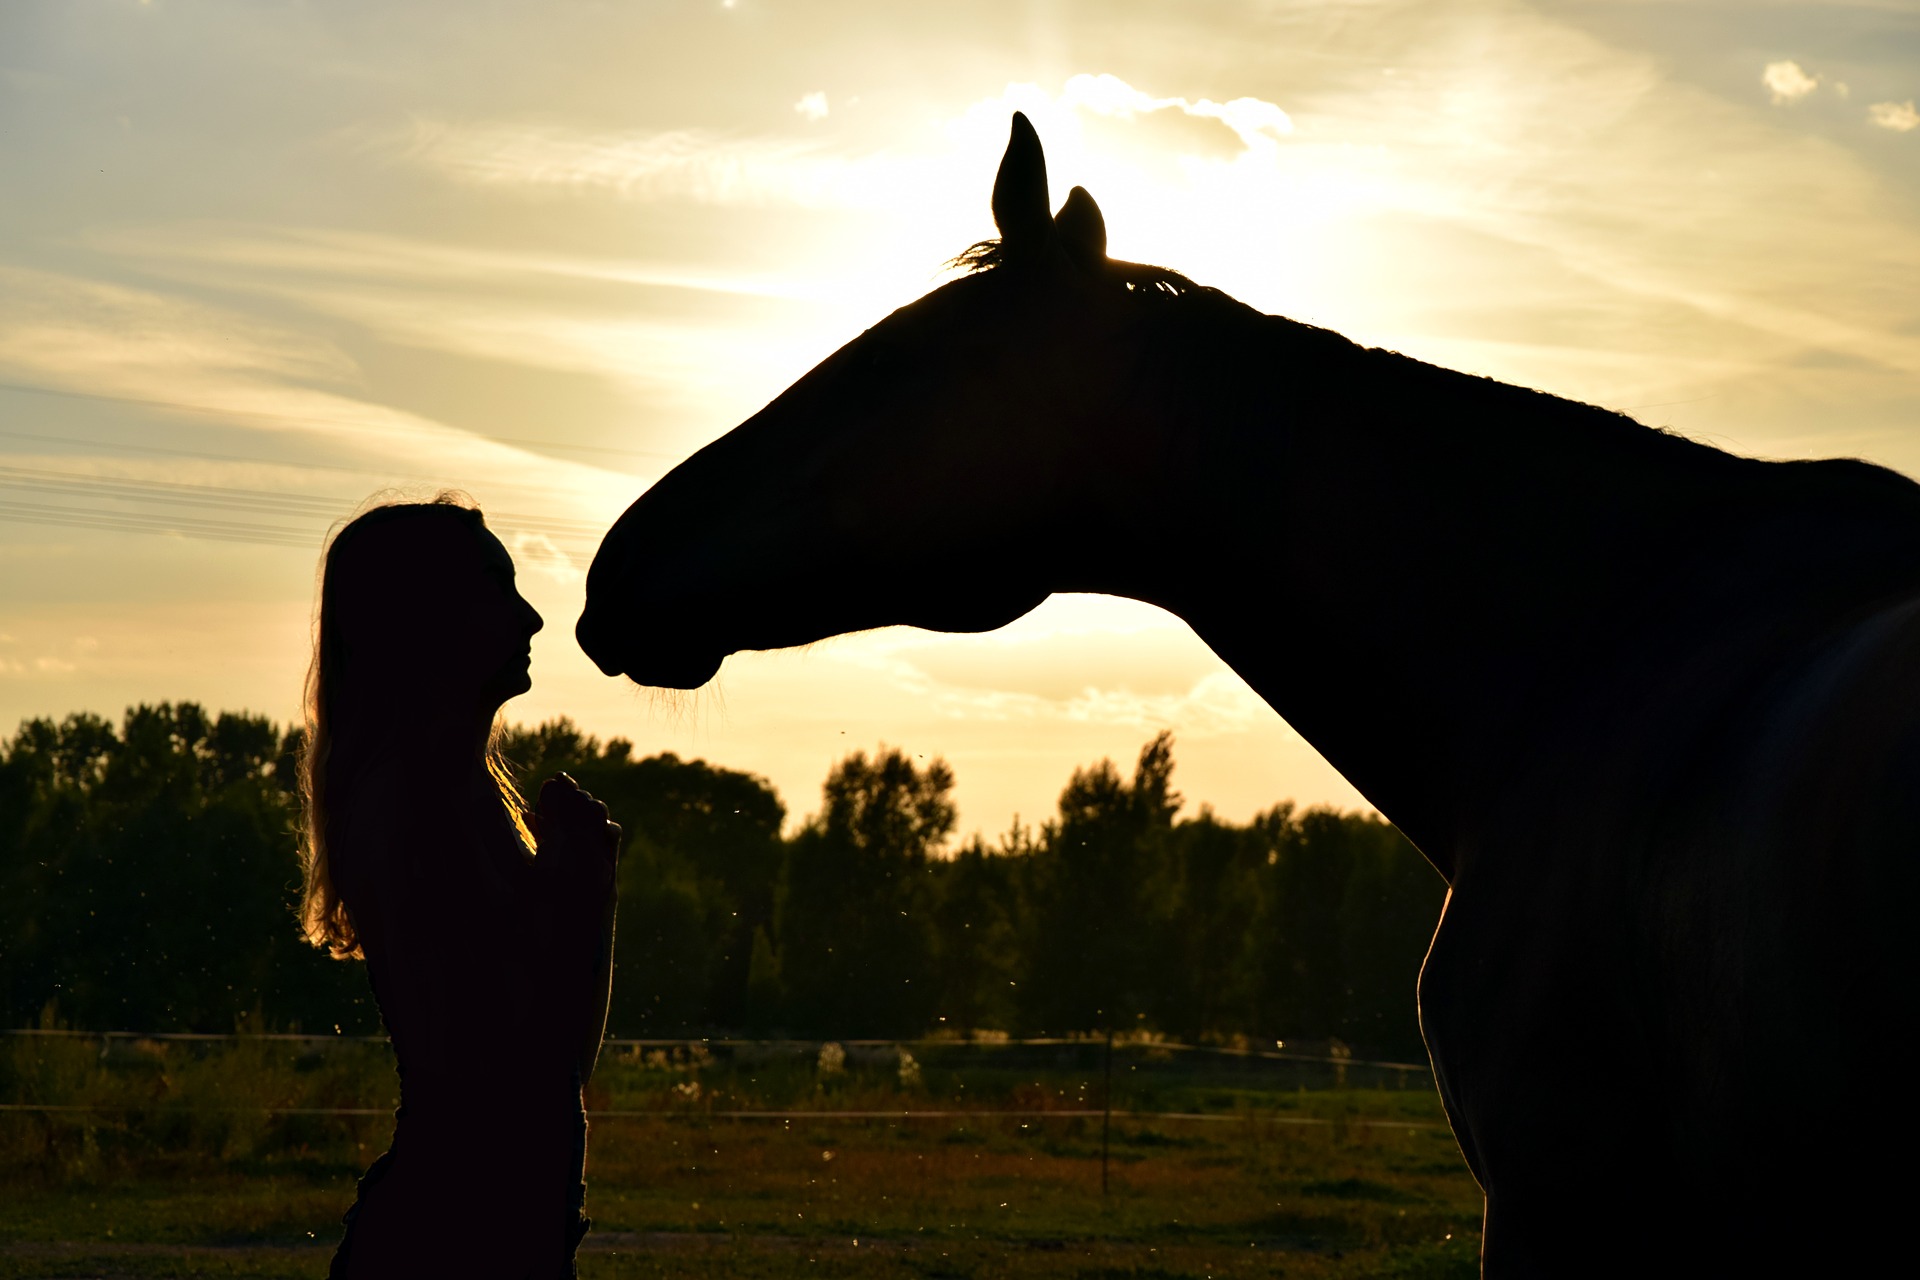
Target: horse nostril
point(598, 636)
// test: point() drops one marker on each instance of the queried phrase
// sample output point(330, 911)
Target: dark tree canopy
point(147, 876)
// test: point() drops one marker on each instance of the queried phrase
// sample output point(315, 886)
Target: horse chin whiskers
point(684, 709)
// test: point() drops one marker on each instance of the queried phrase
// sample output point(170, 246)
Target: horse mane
point(1847, 480)
point(1142, 280)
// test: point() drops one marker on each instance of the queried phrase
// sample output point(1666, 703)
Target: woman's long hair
point(372, 638)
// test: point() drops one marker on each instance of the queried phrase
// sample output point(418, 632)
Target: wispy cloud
point(703, 166)
point(672, 339)
point(357, 255)
point(697, 165)
point(1518, 175)
point(89, 337)
point(1504, 139)
point(1532, 191)
point(90, 334)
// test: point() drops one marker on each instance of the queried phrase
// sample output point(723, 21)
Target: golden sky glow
point(257, 261)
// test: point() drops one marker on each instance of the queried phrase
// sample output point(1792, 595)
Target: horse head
point(948, 469)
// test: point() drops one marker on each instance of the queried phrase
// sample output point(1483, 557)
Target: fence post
point(1106, 1114)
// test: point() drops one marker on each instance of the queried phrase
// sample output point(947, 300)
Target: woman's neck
point(455, 740)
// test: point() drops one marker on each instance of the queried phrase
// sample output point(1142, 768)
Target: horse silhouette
point(1653, 710)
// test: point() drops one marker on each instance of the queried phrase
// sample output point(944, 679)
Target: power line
point(289, 464)
point(129, 490)
point(129, 522)
point(217, 530)
point(228, 497)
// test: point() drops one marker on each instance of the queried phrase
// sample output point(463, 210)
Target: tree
point(148, 877)
point(1309, 857)
point(154, 876)
point(1387, 917)
point(975, 916)
point(1209, 892)
point(1349, 906)
point(1094, 922)
point(855, 933)
point(766, 993)
point(701, 858)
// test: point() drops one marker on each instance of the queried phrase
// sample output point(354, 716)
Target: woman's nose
point(533, 619)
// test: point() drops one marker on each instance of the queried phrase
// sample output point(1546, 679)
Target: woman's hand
point(579, 845)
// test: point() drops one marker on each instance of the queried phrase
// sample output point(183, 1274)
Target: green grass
point(1291, 1181)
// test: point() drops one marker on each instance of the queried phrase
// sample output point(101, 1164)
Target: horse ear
point(1081, 227)
point(1020, 191)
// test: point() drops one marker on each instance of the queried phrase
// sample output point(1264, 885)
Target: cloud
point(1064, 665)
point(80, 337)
point(540, 551)
point(670, 340)
point(1787, 82)
point(697, 165)
point(247, 252)
point(1077, 659)
point(97, 336)
point(704, 166)
point(1901, 117)
point(1257, 122)
point(1218, 702)
point(1569, 171)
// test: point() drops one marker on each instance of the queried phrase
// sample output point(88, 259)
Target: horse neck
point(1417, 568)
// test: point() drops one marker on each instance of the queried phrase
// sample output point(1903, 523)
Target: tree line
point(147, 880)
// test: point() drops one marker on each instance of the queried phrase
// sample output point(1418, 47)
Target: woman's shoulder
point(392, 820)
point(404, 829)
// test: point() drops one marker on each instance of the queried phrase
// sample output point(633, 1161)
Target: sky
point(259, 261)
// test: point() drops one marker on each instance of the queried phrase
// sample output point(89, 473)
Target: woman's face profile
point(496, 627)
point(427, 600)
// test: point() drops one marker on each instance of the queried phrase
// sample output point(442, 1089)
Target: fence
point(1139, 1077)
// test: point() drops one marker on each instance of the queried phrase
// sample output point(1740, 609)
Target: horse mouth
point(673, 670)
point(656, 661)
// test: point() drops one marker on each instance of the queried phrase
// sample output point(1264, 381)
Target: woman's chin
point(510, 685)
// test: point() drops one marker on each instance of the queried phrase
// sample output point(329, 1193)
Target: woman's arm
point(582, 850)
point(600, 995)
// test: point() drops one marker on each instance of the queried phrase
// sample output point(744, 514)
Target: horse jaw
point(683, 657)
point(974, 613)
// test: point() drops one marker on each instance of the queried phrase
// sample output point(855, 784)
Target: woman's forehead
point(493, 552)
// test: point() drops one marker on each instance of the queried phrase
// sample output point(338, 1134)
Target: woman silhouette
point(487, 931)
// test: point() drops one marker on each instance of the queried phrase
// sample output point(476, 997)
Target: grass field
point(1285, 1176)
